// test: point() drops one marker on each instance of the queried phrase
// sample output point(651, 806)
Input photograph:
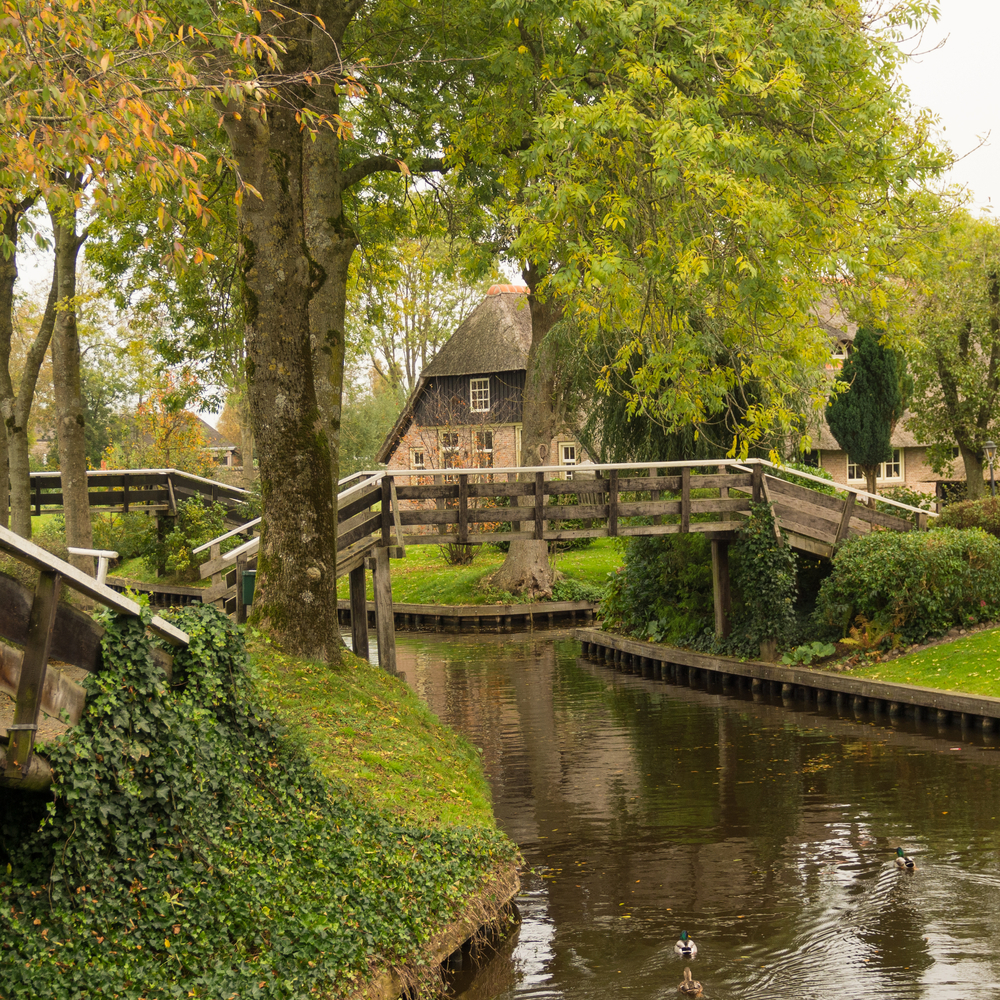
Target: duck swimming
point(902, 861)
point(685, 946)
point(690, 987)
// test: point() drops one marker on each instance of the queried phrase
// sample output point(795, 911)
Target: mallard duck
point(685, 946)
point(902, 861)
point(690, 987)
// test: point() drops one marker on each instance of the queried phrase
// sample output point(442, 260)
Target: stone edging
point(670, 663)
point(486, 915)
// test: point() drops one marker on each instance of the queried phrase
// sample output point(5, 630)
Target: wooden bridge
point(384, 512)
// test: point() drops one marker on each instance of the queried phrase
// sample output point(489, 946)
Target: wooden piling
point(385, 631)
point(359, 613)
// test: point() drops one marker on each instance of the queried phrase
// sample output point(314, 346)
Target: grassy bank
point(271, 828)
point(970, 664)
point(423, 576)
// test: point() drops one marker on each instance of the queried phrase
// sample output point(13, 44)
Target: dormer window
point(479, 395)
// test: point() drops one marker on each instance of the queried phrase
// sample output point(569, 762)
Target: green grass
point(423, 576)
point(970, 664)
point(371, 732)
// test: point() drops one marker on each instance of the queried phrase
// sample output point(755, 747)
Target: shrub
point(903, 494)
point(577, 590)
point(664, 588)
point(982, 513)
point(130, 535)
point(197, 522)
point(914, 584)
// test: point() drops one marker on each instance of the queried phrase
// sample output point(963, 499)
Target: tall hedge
point(919, 583)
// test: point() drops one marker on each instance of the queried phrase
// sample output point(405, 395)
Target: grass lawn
point(423, 576)
point(970, 664)
point(371, 732)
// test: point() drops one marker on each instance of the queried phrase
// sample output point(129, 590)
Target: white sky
point(959, 82)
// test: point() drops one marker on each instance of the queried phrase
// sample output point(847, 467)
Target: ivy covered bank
point(191, 846)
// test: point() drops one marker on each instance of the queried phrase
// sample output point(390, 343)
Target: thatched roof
point(901, 436)
point(495, 337)
point(833, 321)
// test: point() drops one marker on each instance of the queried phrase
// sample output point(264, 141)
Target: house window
point(484, 449)
point(839, 352)
point(417, 458)
point(811, 458)
point(479, 395)
point(449, 449)
point(567, 455)
point(886, 470)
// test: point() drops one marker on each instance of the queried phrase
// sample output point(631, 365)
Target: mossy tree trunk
point(526, 569)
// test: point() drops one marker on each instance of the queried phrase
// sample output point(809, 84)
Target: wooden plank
point(829, 517)
point(108, 498)
point(373, 523)
point(359, 612)
point(396, 523)
point(845, 518)
point(386, 510)
point(385, 628)
point(613, 503)
point(241, 607)
point(639, 484)
point(463, 508)
point(695, 527)
point(567, 487)
point(793, 520)
point(34, 663)
point(721, 594)
point(810, 545)
point(365, 501)
point(757, 484)
point(685, 499)
point(503, 489)
point(780, 489)
point(863, 513)
point(437, 491)
point(539, 504)
point(654, 493)
point(36, 557)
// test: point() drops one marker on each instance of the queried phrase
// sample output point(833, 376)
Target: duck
point(685, 946)
point(902, 861)
point(690, 987)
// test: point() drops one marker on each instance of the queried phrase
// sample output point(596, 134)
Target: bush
point(664, 589)
point(912, 584)
point(577, 590)
point(903, 494)
point(130, 535)
point(197, 522)
point(982, 513)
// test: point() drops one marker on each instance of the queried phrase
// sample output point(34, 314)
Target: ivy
point(190, 849)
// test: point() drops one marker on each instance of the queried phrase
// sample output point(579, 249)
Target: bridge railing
point(48, 629)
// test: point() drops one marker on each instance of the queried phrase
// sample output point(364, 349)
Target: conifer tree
point(862, 418)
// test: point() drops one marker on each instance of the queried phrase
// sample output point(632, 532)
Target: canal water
point(644, 808)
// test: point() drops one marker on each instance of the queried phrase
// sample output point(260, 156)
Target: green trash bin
point(249, 578)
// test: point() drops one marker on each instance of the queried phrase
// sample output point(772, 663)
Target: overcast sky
point(958, 81)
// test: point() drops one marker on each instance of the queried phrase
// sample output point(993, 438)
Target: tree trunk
point(972, 459)
point(68, 392)
point(296, 593)
point(527, 570)
point(871, 473)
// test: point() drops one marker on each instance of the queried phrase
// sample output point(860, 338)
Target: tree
point(956, 350)
point(687, 175)
point(862, 417)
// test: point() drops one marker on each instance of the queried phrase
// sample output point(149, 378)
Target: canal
point(644, 808)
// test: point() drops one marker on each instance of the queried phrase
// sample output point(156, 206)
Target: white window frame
point(479, 395)
point(564, 446)
point(893, 471)
point(422, 452)
point(839, 352)
point(483, 455)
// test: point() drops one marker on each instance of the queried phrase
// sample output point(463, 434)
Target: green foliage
point(664, 588)
point(197, 522)
point(366, 421)
point(788, 470)
point(577, 590)
point(763, 575)
point(919, 583)
point(862, 417)
point(903, 494)
point(806, 654)
point(130, 535)
point(983, 513)
point(190, 849)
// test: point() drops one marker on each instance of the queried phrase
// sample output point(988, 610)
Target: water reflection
point(643, 808)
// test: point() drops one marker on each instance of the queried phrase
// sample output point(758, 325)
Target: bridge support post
point(720, 586)
point(359, 612)
point(385, 626)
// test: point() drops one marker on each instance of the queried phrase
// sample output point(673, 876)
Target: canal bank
point(879, 698)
